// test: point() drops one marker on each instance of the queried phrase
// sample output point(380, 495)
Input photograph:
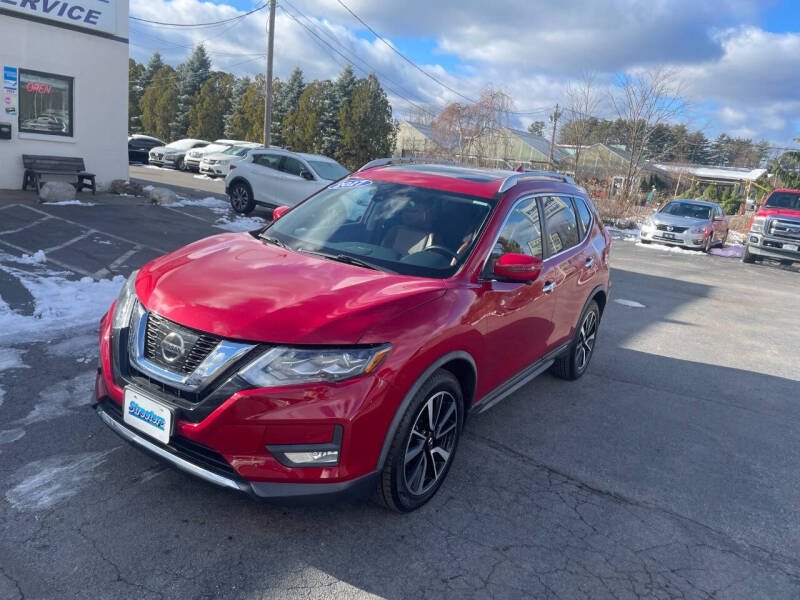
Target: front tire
point(709, 243)
point(241, 197)
point(573, 364)
point(424, 445)
point(747, 256)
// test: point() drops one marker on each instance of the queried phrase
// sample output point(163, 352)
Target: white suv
point(277, 177)
point(216, 164)
point(193, 157)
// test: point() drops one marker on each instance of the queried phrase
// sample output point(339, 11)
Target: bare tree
point(472, 131)
point(643, 102)
point(584, 101)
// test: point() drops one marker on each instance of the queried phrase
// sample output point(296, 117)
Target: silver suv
point(688, 223)
point(278, 177)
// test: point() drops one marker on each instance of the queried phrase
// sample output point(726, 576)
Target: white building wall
point(99, 67)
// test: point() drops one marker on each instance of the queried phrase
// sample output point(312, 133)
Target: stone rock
point(125, 188)
point(56, 191)
point(158, 195)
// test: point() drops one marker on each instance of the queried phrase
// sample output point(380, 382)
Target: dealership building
point(65, 84)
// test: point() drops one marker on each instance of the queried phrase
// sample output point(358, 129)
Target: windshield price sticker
point(350, 183)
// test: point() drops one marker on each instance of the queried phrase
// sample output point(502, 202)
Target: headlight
point(288, 366)
point(758, 225)
point(700, 229)
point(125, 302)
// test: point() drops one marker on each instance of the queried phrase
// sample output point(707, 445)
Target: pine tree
point(135, 91)
point(537, 128)
point(247, 122)
point(238, 90)
point(287, 95)
point(154, 65)
point(211, 103)
point(366, 124)
point(339, 96)
point(158, 103)
point(191, 76)
point(306, 128)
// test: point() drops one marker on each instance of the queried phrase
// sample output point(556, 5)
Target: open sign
point(38, 88)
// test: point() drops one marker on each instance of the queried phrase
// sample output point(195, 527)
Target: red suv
point(342, 347)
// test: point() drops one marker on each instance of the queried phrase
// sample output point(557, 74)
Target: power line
point(210, 24)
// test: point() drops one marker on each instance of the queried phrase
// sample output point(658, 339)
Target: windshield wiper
point(274, 240)
point(345, 258)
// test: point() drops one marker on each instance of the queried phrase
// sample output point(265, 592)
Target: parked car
point(48, 123)
point(775, 229)
point(688, 223)
point(275, 177)
point(341, 348)
point(194, 157)
point(172, 155)
point(217, 164)
point(139, 147)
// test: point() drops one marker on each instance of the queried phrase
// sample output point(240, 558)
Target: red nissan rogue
point(342, 347)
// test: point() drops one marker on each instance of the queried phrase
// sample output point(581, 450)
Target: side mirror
point(518, 267)
point(279, 212)
point(306, 175)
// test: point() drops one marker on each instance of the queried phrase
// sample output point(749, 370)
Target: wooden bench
point(37, 165)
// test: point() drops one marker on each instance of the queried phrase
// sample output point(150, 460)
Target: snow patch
point(223, 208)
point(628, 235)
point(728, 251)
point(82, 347)
point(215, 204)
point(629, 303)
point(60, 303)
point(2, 395)
point(11, 358)
point(240, 223)
point(9, 436)
point(45, 483)
point(147, 188)
point(70, 203)
point(37, 257)
point(61, 398)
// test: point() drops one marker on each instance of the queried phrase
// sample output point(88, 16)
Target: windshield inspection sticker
point(353, 182)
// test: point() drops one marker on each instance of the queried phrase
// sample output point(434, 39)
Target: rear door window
point(271, 161)
point(561, 224)
point(583, 212)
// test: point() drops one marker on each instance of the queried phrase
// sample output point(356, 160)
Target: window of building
point(45, 103)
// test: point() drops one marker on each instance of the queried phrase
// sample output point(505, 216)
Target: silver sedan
point(688, 223)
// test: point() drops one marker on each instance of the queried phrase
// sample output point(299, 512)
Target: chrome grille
point(673, 228)
point(785, 228)
point(197, 345)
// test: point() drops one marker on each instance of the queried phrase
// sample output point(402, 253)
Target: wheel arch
point(239, 179)
point(461, 365)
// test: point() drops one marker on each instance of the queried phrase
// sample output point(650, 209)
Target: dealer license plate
point(790, 247)
point(669, 236)
point(149, 416)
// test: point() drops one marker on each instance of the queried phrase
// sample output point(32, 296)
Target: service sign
point(100, 15)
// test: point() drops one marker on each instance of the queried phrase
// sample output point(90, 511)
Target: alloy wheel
point(586, 338)
point(431, 443)
point(240, 198)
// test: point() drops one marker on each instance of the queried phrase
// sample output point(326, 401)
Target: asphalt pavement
point(670, 470)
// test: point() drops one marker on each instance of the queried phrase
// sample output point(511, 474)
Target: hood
point(236, 286)
point(767, 211)
point(219, 156)
point(158, 149)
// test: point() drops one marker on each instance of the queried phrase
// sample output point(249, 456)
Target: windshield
point(181, 145)
point(687, 209)
point(783, 200)
point(390, 226)
point(237, 150)
point(328, 169)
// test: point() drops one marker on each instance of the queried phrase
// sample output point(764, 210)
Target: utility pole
point(268, 99)
point(554, 120)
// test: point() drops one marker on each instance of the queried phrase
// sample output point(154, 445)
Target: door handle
point(548, 287)
point(589, 262)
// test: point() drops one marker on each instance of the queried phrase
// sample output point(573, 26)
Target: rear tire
point(708, 243)
point(424, 444)
point(241, 197)
point(573, 364)
point(747, 257)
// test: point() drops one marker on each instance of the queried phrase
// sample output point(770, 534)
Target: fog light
point(326, 457)
point(309, 455)
point(753, 239)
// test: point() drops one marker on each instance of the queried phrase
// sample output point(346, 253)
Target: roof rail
point(516, 178)
point(382, 162)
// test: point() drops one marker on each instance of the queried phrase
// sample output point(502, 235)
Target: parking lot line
point(100, 274)
point(72, 241)
point(58, 263)
point(18, 229)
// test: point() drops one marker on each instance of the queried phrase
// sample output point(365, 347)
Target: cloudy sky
point(738, 60)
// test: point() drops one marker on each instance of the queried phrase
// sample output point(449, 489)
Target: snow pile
point(729, 251)
point(11, 358)
point(60, 304)
point(628, 235)
point(736, 238)
point(223, 208)
point(37, 257)
point(629, 303)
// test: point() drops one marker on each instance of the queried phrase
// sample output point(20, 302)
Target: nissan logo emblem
point(670, 228)
point(172, 347)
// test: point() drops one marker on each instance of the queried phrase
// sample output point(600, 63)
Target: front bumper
point(769, 246)
point(214, 170)
point(192, 163)
point(686, 239)
point(205, 464)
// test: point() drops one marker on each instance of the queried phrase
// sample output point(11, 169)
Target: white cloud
point(736, 74)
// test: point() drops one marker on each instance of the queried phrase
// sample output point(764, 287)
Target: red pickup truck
point(775, 229)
